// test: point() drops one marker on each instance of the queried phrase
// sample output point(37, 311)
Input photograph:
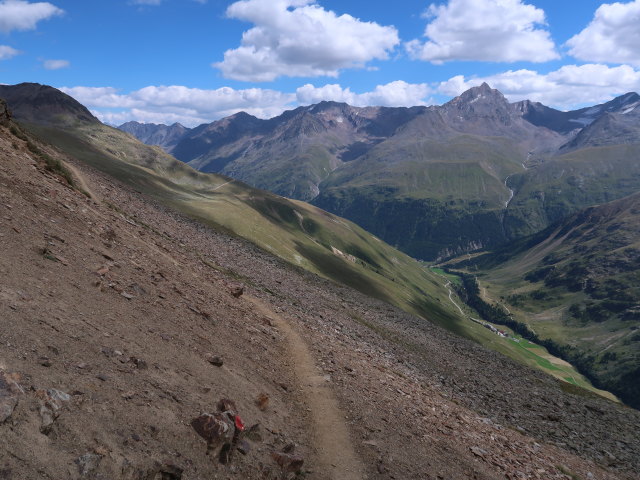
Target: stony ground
point(112, 309)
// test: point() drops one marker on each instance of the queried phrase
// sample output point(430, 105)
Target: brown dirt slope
point(110, 308)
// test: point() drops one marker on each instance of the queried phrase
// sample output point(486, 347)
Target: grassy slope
point(465, 167)
point(567, 183)
point(450, 193)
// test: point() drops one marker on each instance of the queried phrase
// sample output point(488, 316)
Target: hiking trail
point(337, 457)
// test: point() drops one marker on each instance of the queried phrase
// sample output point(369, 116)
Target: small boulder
point(139, 363)
point(214, 360)
point(165, 471)
point(51, 402)
point(262, 402)
point(88, 464)
point(288, 462)
point(216, 429)
point(9, 393)
point(236, 290)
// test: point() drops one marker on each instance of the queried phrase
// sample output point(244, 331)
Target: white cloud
point(56, 64)
point(190, 106)
point(7, 52)
point(297, 38)
point(612, 36)
point(394, 94)
point(157, 2)
point(484, 30)
point(569, 87)
point(22, 15)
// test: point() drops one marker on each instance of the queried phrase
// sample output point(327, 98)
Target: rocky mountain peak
point(325, 106)
point(482, 94)
point(479, 110)
point(630, 103)
point(241, 116)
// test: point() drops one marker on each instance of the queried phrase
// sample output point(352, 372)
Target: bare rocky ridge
point(111, 309)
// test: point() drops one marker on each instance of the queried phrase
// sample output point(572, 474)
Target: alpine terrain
point(152, 314)
point(436, 181)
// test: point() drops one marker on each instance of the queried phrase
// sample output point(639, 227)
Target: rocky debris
point(139, 363)
point(51, 402)
point(111, 352)
point(166, 471)
point(478, 452)
point(244, 447)
point(214, 360)
point(10, 390)
point(54, 257)
point(220, 429)
point(236, 290)
point(88, 464)
point(253, 433)
point(45, 361)
point(289, 463)
point(102, 271)
point(158, 471)
point(262, 402)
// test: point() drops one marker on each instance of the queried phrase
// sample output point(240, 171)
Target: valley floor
point(120, 303)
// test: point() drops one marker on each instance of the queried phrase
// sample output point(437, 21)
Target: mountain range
point(435, 181)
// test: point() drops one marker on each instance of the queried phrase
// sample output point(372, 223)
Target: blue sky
point(194, 61)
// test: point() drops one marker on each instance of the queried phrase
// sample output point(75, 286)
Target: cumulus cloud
point(298, 38)
point(486, 30)
point(56, 64)
point(571, 86)
point(192, 106)
point(394, 94)
point(611, 37)
point(6, 52)
point(23, 15)
point(189, 106)
point(157, 2)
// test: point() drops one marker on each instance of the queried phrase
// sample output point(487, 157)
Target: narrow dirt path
point(447, 286)
point(80, 180)
point(220, 186)
point(338, 459)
